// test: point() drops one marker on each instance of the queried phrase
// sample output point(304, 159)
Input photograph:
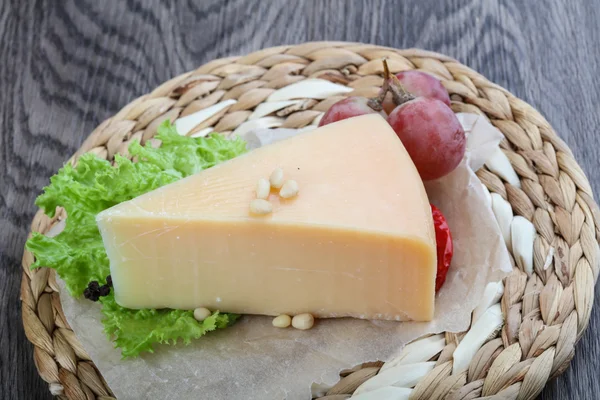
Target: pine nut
point(260, 207)
point(262, 189)
point(201, 313)
point(303, 321)
point(282, 321)
point(289, 189)
point(276, 178)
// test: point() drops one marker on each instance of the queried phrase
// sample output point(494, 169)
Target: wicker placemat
point(546, 305)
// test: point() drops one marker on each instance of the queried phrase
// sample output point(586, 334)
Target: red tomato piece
point(445, 248)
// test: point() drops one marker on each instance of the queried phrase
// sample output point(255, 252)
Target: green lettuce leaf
point(77, 253)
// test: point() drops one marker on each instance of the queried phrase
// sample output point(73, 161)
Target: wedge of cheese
point(357, 240)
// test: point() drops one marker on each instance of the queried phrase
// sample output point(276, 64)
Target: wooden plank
point(66, 66)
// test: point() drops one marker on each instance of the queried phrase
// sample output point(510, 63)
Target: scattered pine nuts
point(201, 313)
point(260, 207)
point(282, 321)
point(289, 189)
point(262, 189)
point(276, 178)
point(303, 321)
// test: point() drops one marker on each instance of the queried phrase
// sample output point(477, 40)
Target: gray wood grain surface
point(65, 66)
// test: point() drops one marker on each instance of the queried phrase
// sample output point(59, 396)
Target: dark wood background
point(65, 66)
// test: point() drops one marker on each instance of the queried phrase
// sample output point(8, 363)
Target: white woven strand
point(187, 124)
point(499, 164)
point(406, 376)
point(488, 325)
point(309, 89)
point(418, 351)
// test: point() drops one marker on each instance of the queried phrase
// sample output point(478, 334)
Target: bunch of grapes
point(419, 112)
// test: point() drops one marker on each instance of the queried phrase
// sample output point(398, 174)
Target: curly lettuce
point(77, 253)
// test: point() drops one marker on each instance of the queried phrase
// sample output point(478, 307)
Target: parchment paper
point(253, 360)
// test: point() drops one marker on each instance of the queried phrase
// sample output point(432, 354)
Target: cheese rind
point(356, 241)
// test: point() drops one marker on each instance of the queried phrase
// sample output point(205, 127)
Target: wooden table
point(66, 66)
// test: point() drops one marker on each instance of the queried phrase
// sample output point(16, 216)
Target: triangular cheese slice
point(356, 241)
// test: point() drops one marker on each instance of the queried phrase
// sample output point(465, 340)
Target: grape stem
point(390, 84)
point(375, 103)
point(399, 93)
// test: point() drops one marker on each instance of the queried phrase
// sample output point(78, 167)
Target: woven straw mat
point(546, 303)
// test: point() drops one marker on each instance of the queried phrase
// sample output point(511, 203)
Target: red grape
point(348, 108)
point(420, 84)
point(432, 135)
